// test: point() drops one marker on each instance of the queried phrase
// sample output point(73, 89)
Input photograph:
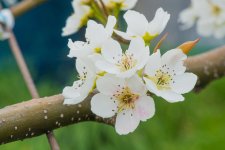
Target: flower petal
point(174, 61)
point(126, 121)
point(136, 84)
point(153, 64)
point(151, 86)
point(96, 34)
point(170, 96)
point(127, 36)
point(145, 108)
point(112, 51)
point(73, 24)
point(103, 105)
point(127, 74)
point(184, 83)
point(110, 25)
point(72, 96)
point(136, 22)
point(107, 67)
point(85, 67)
point(159, 22)
point(78, 49)
point(109, 84)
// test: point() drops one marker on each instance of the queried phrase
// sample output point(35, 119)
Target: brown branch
point(36, 117)
point(25, 6)
point(208, 66)
point(17, 121)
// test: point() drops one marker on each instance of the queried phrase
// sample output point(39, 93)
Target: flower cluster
point(89, 9)
point(124, 80)
point(210, 22)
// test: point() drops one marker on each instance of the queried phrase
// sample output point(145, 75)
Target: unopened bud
point(187, 46)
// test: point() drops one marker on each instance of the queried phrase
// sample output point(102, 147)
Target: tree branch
point(36, 117)
point(25, 6)
point(207, 66)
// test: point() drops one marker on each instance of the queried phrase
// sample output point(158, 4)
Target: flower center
point(97, 50)
point(82, 77)
point(126, 99)
point(161, 79)
point(127, 62)
point(216, 10)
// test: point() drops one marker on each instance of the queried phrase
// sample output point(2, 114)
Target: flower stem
point(105, 10)
point(98, 13)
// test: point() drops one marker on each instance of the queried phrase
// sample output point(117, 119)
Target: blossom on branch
point(210, 22)
point(96, 35)
point(138, 25)
point(121, 64)
point(125, 98)
point(165, 76)
point(124, 78)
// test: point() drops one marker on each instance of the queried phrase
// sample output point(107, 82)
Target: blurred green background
point(196, 124)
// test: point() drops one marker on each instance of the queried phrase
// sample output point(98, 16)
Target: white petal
point(127, 74)
point(103, 105)
point(109, 84)
point(112, 51)
point(126, 121)
point(174, 61)
point(70, 92)
point(78, 49)
point(107, 67)
point(110, 25)
point(145, 108)
point(151, 86)
point(184, 83)
point(136, 22)
point(136, 84)
point(171, 96)
point(96, 33)
point(127, 36)
point(73, 24)
point(72, 95)
point(158, 24)
point(85, 66)
point(153, 64)
point(137, 47)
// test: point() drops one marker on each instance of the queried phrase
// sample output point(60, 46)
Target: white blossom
point(125, 98)
point(78, 19)
point(210, 22)
point(122, 4)
point(138, 25)
point(96, 35)
point(165, 76)
point(6, 23)
point(81, 88)
point(124, 65)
